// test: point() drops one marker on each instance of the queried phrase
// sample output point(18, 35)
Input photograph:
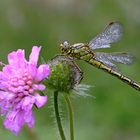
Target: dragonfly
point(104, 61)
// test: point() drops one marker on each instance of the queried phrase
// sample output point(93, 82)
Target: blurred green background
point(115, 113)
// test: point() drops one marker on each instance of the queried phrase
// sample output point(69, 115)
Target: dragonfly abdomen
point(113, 72)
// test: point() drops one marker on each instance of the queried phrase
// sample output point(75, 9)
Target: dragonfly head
point(65, 47)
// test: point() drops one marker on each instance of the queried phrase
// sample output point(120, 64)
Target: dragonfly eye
point(65, 44)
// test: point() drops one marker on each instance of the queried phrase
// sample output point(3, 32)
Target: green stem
point(70, 117)
point(58, 119)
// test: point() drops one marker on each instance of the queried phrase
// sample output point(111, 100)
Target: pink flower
point(19, 82)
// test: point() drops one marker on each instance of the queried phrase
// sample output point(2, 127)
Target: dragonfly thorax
point(71, 50)
point(78, 45)
point(77, 50)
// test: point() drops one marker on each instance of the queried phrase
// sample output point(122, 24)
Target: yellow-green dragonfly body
point(101, 60)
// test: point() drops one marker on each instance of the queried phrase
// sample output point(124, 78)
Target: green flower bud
point(65, 74)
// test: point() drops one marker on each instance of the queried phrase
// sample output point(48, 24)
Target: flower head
point(19, 82)
point(65, 74)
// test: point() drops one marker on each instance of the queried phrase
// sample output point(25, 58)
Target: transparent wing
point(112, 33)
point(110, 59)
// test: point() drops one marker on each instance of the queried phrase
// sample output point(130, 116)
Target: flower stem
point(58, 119)
point(70, 117)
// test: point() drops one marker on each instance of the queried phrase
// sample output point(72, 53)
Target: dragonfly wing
point(112, 33)
point(110, 59)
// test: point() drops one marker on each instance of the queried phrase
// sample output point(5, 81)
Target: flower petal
point(41, 87)
point(17, 59)
point(17, 118)
point(32, 70)
point(14, 121)
point(5, 101)
point(43, 72)
point(27, 103)
point(40, 100)
point(7, 71)
point(6, 96)
point(3, 77)
point(29, 118)
point(33, 58)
